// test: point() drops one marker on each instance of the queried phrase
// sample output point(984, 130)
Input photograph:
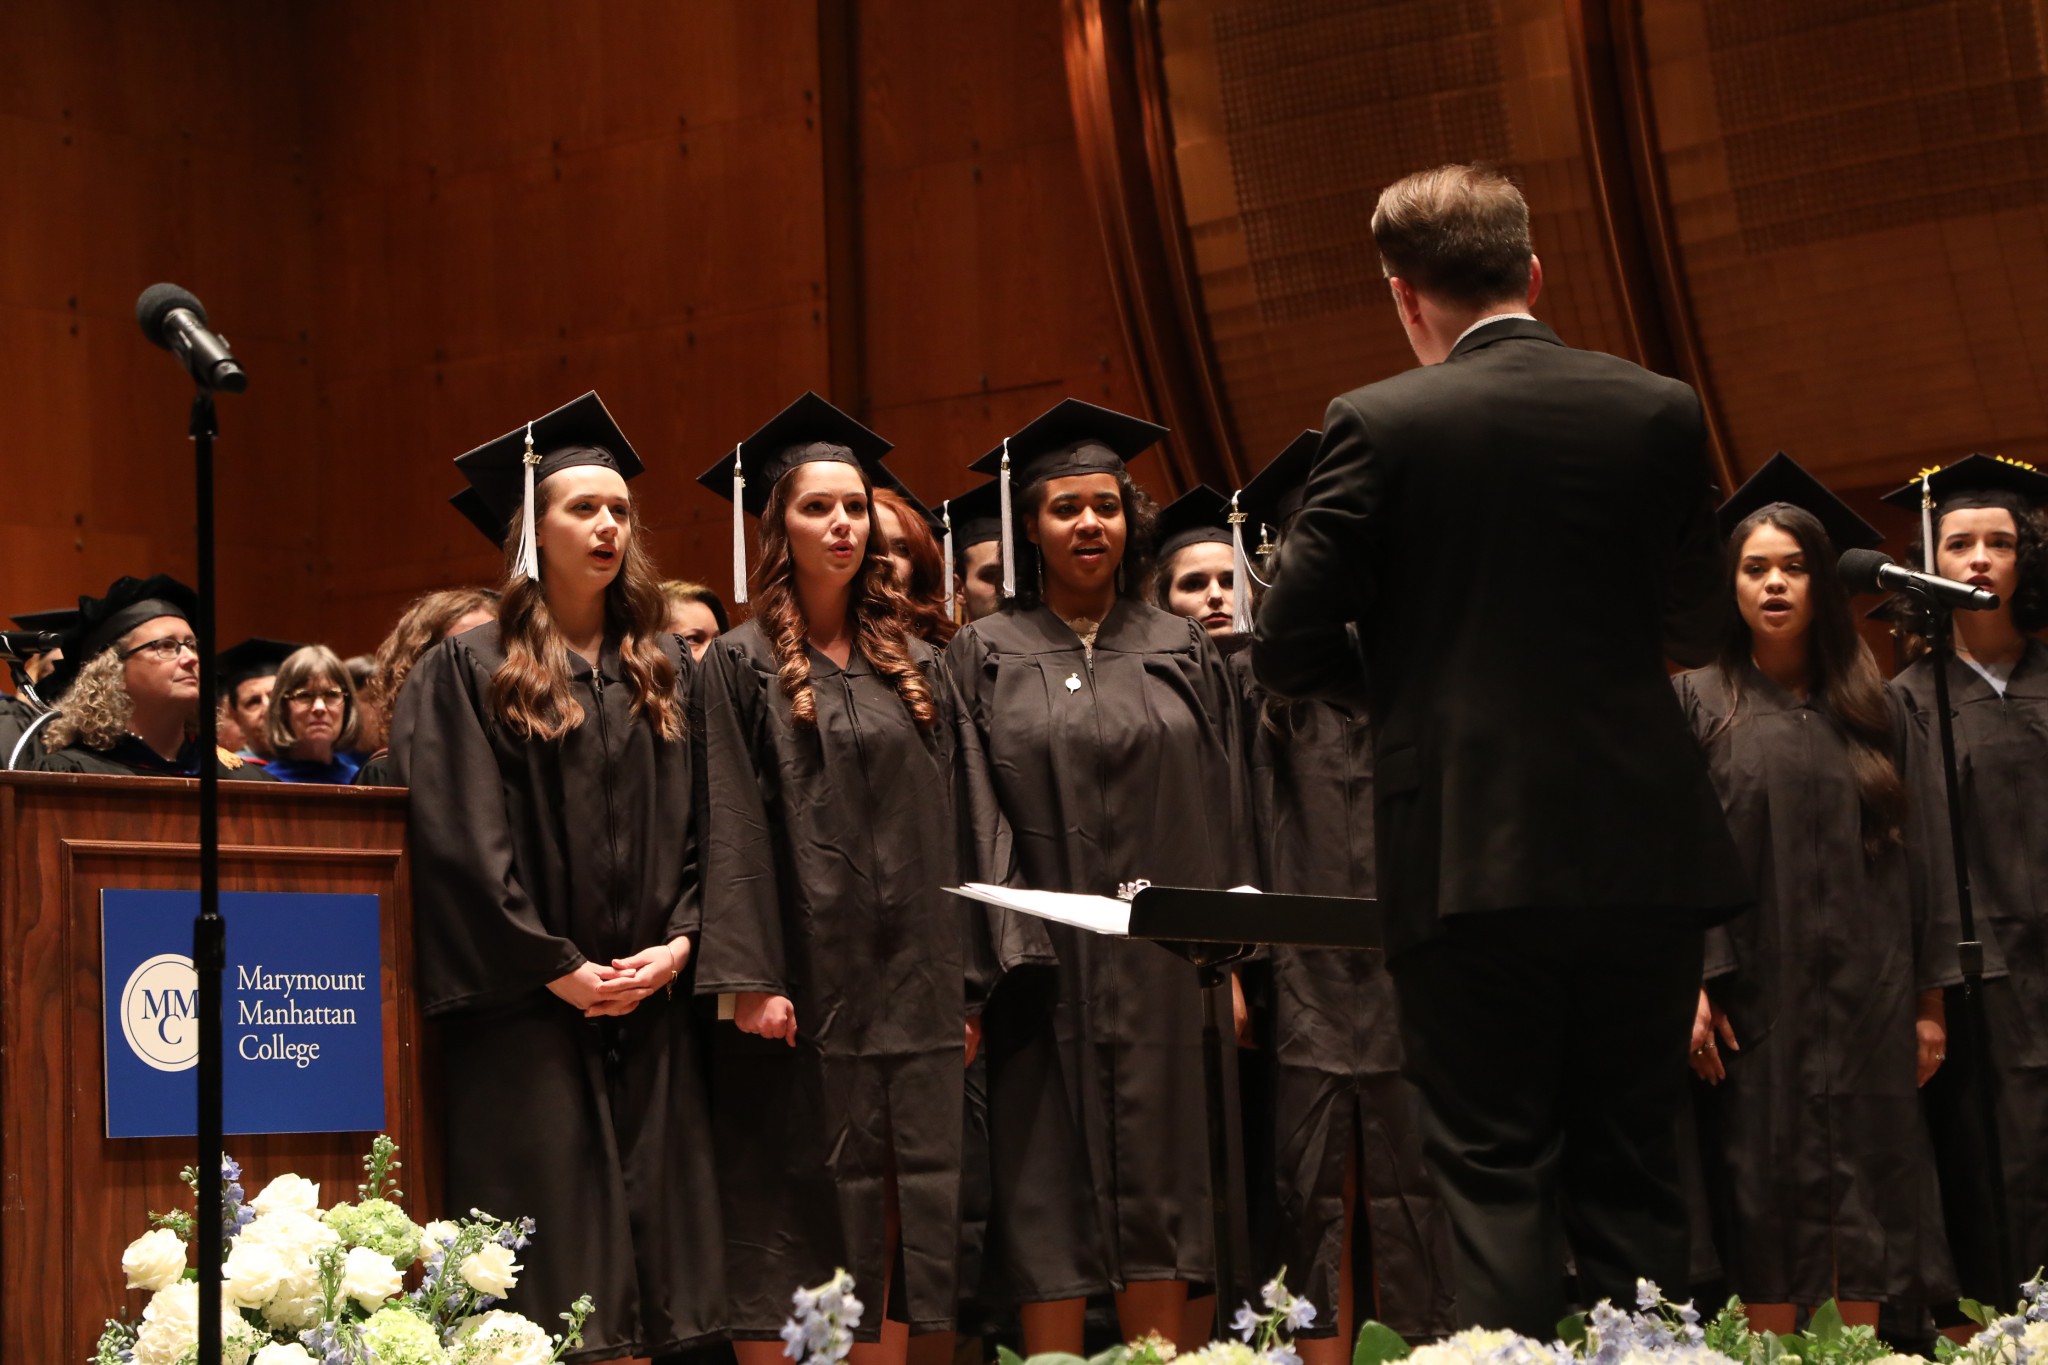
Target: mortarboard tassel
point(1009, 550)
point(1240, 574)
point(1927, 519)
point(739, 531)
point(946, 555)
point(528, 562)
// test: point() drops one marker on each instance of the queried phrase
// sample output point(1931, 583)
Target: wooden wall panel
point(986, 297)
point(520, 202)
point(141, 142)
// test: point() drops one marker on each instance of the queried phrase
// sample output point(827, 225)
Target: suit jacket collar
point(1512, 329)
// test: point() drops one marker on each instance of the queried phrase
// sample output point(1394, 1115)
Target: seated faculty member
point(1549, 845)
point(314, 719)
point(130, 688)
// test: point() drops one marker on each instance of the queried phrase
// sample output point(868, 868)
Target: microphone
point(1870, 571)
point(19, 646)
point(174, 320)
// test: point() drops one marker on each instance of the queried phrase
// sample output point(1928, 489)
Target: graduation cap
point(808, 431)
point(503, 472)
point(101, 621)
point(1275, 492)
point(977, 515)
point(1936, 491)
point(1783, 480)
point(1202, 516)
point(255, 657)
point(1071, 437)
point(56, 621)
point(471, 504)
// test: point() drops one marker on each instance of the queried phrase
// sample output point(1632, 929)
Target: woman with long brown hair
point(1821, 1014)
point(430, 619)
point(1111, 733)
point(846, 789)
point(903, 532)
point(555, 894)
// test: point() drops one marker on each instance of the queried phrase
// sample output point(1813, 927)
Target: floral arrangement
point(1657, 1332)
point(302, 1285)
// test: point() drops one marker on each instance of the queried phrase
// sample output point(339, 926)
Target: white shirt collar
point(1487, 320)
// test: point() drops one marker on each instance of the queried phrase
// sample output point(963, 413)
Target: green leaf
point(1945, 1350)
point(1572, 1330)
point(1771, 1350)
point(1112, 1356)
point(1825, 1326)
point(1377, 1345)
point(1055, 1358)
point(1976, 1312)
point(1006, 1356)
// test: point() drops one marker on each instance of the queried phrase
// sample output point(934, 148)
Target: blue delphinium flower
point(1648, 1295)
point(1247, 1323)
point(821, 1332)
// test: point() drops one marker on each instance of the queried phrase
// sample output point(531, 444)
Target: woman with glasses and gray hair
point(130, 685)
point(313, 720)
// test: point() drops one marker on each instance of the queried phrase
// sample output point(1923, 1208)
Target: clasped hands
point(601, 991)
point(774, 1016)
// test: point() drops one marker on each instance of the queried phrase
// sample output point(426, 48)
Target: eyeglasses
point(330, 696)
point(166, 649)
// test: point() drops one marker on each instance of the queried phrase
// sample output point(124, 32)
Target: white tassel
point(528, 562)
point(1240, 574)
point(1009, 550)
point(739, 531)
point(946, 554)
point(1927, 521)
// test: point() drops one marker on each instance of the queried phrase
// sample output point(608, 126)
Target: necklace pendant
point(1073, 682)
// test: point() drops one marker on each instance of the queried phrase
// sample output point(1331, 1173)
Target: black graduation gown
point(1336, 1039)
point(827, 851)
point(529, 858)
point(1816, 1156)
point(15, 717)
point(2002, 766)
point(130, 757)
point(1121, 768)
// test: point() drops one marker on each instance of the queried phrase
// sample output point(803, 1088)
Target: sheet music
point(1097, 914)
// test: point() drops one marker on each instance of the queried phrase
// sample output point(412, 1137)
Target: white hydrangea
point(505, 1339)
point(170, 1328)
point(284, 1353)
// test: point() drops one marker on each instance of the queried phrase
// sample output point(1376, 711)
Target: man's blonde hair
point(1456, 233)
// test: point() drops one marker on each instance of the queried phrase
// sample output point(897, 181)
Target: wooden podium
point(71, 1198)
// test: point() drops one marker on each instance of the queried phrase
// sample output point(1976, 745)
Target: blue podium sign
point(303, 1020)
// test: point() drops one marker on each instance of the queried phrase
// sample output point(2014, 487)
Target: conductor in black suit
point(1522, 533)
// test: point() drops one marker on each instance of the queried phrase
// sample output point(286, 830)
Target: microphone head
point(156, 305)
point(1859, 569)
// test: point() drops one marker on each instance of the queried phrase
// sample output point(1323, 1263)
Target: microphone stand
point(1970, 951)
point(209, 931)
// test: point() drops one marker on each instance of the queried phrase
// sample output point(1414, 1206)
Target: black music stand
point(1213, 930)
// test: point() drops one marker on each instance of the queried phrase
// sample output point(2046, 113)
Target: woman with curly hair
point(846, 788)
point(1989, 530)
point(430, 619)
point(1111, 731)
point(555, 900)
point(1821, 1013)
point(129, 681)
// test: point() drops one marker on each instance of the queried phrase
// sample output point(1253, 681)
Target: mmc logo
point(160, 1012)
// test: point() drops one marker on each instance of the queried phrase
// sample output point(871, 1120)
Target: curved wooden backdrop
point(1828, 215)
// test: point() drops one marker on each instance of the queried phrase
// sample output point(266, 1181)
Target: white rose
point(292, 1232)
point(506, 1339)
point(491, 1271)
point(170, 1327)
point(369, 1278)
point(288, 1191)
point(251, 1273)
point(284, 1353)
point(437, 1235)
point(154, 1260)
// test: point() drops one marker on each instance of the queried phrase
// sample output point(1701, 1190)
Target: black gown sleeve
point(1720, 945)
point(481, 940)
point(1301, 648)
point(1014, 940)
point(741, 948)
point(686, 919)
